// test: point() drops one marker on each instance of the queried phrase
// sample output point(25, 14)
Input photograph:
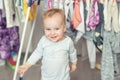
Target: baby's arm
point(36, 55)
point(23, 68)
point(73, 57)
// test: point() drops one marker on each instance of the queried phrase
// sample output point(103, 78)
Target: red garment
point(76, 19)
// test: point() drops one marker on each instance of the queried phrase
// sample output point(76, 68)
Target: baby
point(55, 49)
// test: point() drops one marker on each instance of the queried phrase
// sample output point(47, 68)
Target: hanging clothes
point(9, 35)
point(33, 9)
point(87, 8)
point(93, 40)
point(50, 4)
point(94, 16)
point(112, 18)
point(61, 4)
point(1, 4)
point(81, 27)
point(111, 47)
point(98, 41)
point(91, 53)
point(89, 35)
point(68, 4)
point(2, 15)
point(56, 4)
point(76, 19)
point(118, 4)
point(19, 5)
point(9, 12)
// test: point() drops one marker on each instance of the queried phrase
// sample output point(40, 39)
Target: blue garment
point(55, 58)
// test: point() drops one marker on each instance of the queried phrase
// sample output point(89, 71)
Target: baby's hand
point(73, 67)
point(23, 68)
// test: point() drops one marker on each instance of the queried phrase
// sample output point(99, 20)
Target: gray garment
point(107, 71)
point(111, 47)
point(89, 36)
point(91, 53)
point(55, 58)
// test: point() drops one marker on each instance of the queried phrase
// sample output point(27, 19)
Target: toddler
point(55, 49)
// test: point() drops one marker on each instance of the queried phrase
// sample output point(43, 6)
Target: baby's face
point(54, 28)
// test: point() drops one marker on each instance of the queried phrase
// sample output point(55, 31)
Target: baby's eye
point(48, 29)
point(57, 28)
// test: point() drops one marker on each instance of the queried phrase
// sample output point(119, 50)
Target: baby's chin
point(55, 40)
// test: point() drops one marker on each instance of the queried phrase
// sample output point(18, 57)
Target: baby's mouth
point(54, 37)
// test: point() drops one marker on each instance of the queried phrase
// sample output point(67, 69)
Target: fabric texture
point(55, 4)
point(81, 27)
point(94, 16)
point(9, 13)
point(76, 19)
point(50, 2)
point(9, 38)
point(55, 58)
point(91, 53)
point(112, 18)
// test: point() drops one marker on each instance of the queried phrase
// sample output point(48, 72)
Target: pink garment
point(118, 0)
point(76, 14)
point(49, 6)
point(94, 16)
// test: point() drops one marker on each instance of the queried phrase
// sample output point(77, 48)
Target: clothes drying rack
point(23, 37)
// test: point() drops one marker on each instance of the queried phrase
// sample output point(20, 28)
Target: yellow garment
point(33, 9)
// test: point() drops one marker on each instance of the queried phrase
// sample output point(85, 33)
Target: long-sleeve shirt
point(55, 58)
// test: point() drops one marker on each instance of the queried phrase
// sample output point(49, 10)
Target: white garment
point(91, 53)
point(55, 58)
point(112, 17)
point(9, 12)
point(1, 4)
point(81, 27)
point(61, 4)
point(105, 12)
point(88, 8)
point(67, 5)
point(55, 4)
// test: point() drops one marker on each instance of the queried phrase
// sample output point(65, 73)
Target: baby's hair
point(51, 12)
